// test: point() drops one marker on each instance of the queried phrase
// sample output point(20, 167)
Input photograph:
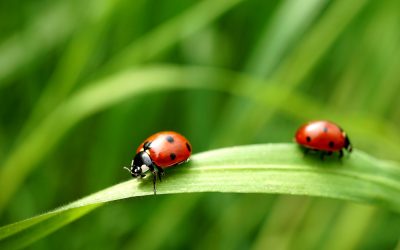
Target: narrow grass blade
point(295, 68)
point(268, 168)
point(167, 34)
point(122, 86)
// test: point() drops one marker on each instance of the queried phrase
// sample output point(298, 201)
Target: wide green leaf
point(266, 168)
point(135, 82)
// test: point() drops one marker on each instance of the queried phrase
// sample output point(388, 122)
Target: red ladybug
point(323, 136)
point(159, 151)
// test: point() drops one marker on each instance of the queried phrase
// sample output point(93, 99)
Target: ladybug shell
point(167, 148)
point(321, 135)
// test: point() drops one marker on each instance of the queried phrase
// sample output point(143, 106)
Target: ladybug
point(159, 151)
point(323, 136)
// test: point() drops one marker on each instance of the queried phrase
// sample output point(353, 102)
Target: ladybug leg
point(157, 172)
point(159, 177)
point(153, 170)
point(160, 173)
point(154, 182)
point(322, 155)
point(305, 151)
point(340, 154)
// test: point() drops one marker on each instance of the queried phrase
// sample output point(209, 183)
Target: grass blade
point(300, 63)
point(269, 168)
point(167, 34)
point(122, 86)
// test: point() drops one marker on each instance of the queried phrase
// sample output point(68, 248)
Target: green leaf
point(268, 168)
point(129, 84)
point(168, 33)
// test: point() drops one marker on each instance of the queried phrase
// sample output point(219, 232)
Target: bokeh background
point(303, 60)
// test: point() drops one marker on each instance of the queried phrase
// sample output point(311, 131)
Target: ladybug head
point(140, 164)
point(347, 143)
point(136, 171)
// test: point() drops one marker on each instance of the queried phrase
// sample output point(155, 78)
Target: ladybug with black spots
point(159, 151)
point(323, 136)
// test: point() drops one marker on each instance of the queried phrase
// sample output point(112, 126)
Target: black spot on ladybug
point(188, 147)
point(146, 145)
point(172, 156)
point(331, 144)
point(170, 139)
point(308, 139)
point(325, 129)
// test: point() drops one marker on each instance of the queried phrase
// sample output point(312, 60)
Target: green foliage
point(82, 84)
point(274, 168)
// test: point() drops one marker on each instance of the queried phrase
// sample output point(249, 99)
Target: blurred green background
point(309, 59)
